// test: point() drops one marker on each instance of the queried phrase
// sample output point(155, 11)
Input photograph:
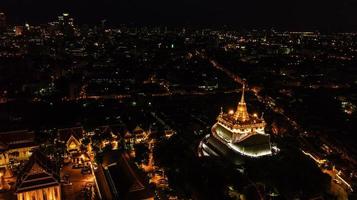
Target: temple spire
point(242, 97)
point(241, 113)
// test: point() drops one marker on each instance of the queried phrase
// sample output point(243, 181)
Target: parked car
point(77, 166)
point(86, 170)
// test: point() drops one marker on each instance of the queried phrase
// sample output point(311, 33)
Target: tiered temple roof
point(240, 119)
point(241, 113)
point(39, 172)
point(66, 133)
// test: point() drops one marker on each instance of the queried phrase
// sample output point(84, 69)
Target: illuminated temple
point(39, 179)
point(237, 134)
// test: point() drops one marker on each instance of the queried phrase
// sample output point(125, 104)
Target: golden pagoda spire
point(242, 97)
point(241, 113)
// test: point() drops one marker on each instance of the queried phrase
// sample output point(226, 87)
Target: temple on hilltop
point(237, 134)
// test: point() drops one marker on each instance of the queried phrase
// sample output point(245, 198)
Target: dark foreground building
point(120, 179)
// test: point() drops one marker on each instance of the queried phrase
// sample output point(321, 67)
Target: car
point(77, 166)
point(86, 170)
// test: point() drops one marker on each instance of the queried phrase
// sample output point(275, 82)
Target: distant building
point(3, 23)
point(237, 133)
point(39, 179)
point(66, 24)
point(129, 138)
point(139, 134)
point(19, 30)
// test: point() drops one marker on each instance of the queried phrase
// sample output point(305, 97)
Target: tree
point(85, 141)
point(99, 158)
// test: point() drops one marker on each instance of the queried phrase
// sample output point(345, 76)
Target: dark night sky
point(332, 15)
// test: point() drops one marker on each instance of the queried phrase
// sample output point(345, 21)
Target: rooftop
point(125, 179)
point(39, 172)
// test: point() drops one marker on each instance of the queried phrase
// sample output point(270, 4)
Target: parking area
point(77, 182)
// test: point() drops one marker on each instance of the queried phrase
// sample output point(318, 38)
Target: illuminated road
point(172, 93)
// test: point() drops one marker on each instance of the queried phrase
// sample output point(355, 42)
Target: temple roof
point(16, 139)
point(39, 172)
point(241, 119)
point(241, 113)
point(239, 133)
point(17, 136)
point(66, 133)
point(138, 130)
point(126, 180)
point(3, 146)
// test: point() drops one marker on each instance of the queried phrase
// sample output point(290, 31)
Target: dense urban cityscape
point(174, 112)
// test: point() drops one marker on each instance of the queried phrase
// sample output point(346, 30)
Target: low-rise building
point(16, 146)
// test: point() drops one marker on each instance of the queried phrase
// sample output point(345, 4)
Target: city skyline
point(103, 111)
point(303, 15)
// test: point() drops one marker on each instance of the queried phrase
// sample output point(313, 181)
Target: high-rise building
point(3, 23)
point(66, 24)
point(237, 133)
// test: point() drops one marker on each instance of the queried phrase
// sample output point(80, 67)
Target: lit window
point(44, 195)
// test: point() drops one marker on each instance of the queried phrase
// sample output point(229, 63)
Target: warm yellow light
point(72, 145)
point(231, 112)
point(255, 115)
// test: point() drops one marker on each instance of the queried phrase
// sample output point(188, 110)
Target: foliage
point(85, 141)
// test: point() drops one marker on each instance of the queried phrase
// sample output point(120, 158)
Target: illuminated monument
point(237, 134)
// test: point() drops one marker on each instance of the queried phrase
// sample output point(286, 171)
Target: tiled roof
point(17, 136)
point(39, 172)
point(65, 133)
point(126, 180)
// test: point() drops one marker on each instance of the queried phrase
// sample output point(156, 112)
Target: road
point(78, 180)
point(171, 93)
